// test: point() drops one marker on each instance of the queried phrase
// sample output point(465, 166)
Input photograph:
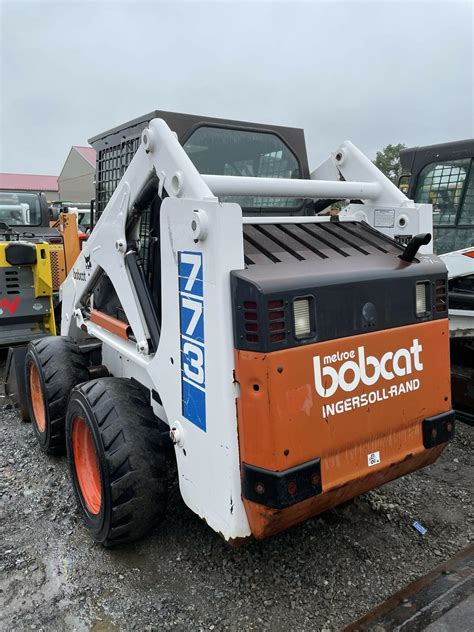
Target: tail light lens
point(302, 317)
point(251, 321)
point(421, 298)
point(276, 320)
point(441, 295)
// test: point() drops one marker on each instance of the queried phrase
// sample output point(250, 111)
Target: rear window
point(236, 152)
point(19, 209)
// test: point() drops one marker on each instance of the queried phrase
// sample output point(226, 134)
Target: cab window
point(19, 209)
point(441, 184)
point(234, 152)
point(466, 215)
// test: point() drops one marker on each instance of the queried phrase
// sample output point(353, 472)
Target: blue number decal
point(193, 363)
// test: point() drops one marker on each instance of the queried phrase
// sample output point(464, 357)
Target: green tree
point(388, 161)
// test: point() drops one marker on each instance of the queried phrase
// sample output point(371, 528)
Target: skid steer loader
point(443, 174)
point(292, 360)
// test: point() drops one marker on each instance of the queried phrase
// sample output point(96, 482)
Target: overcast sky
point(371, 72)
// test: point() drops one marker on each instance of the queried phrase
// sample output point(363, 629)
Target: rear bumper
point(282, 489)
point(267, 521)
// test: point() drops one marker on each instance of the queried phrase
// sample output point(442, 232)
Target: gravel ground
point(318, 576)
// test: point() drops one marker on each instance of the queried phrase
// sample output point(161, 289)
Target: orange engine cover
point(355, 403)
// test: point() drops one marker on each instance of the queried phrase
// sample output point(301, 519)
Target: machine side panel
point(196, 351)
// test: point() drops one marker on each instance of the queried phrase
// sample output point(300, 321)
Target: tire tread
point(62, 366)
point(135, 460)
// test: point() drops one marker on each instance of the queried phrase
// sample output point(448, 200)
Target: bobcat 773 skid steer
point(293, 360)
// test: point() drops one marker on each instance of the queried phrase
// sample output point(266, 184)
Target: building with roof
point(76, 180)
point(27, 182)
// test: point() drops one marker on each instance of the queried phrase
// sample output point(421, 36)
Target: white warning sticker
point(373, 458)
point(384, 218)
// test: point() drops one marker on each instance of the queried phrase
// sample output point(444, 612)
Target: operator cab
point(443, 175)
point(215, 146)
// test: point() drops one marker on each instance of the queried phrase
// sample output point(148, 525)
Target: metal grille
point(58, 270)
point(441, 185)
point(467, 208)
point(54, 257)
point(11, 281)
point(276, 243)
point(111, 165)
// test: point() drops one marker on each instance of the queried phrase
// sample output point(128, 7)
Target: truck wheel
point(53, 366)
point(116, 459)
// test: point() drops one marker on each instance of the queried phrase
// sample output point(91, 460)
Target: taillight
point(441, 295)
point(55, 240)
point(276, 320)
point(302, 317)
point(251, 321)
point(422, 289)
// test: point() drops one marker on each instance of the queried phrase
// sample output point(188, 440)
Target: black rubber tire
point(61, 366)
point(131, 458)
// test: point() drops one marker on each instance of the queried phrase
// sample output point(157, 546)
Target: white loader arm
point(106, 247)
point(389, 211)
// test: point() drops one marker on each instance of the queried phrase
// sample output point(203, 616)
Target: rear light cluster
point(422, 290)
point(441, 295)
point(422, 297)
point(251, 321)
point(276, 321)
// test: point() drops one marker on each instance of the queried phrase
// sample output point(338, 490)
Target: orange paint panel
point(114, 325)
point(341, 400)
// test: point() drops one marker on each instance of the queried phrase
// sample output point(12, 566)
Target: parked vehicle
point(289, 361)
point(444, 176)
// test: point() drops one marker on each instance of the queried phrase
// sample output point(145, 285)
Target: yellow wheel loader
point(26, 305)
point(35, 256)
